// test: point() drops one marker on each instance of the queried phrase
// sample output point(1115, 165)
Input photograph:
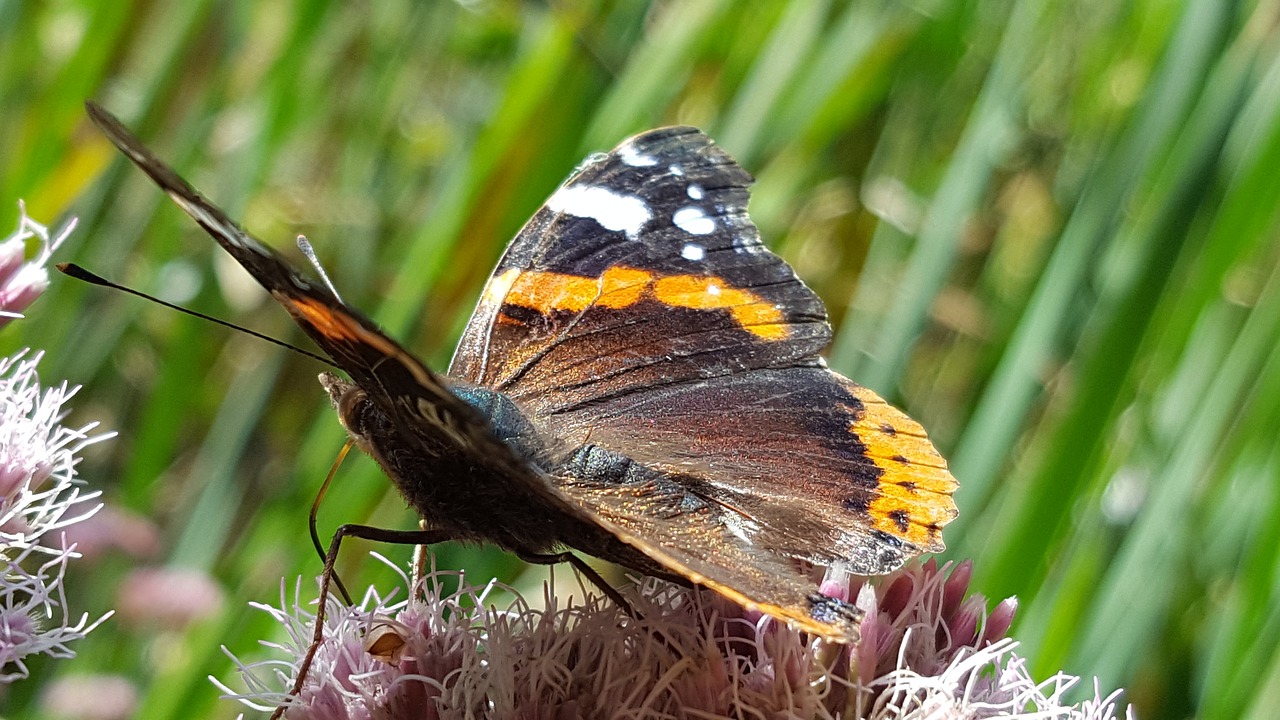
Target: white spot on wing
point(744, 528)
point(593, 159)
point(713, 289)
point(633, 157)
point(742, 245)
point(675, 170)
point(612, 210)
point(693, 251)
point(693, 221)
point(695, 192)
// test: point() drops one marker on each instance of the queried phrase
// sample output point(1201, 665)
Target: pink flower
point(113, 528)
point(21, 281)
point(34, 618)
point(169, 598)
point(40, 495)
point(926, 651)
point(39, 492)
point(90, 697)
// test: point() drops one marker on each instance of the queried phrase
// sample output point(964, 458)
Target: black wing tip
point(176, 186)
point(684, 136)
point(259, 259)
point(98, 113)
point(95, 111)
point(111, 126)
point(139, 154)
point(675, 145)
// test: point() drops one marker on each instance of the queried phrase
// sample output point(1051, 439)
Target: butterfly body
point(473, 500)
point(449, 484)
point(640, 381)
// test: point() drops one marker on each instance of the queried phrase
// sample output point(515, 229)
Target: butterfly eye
point(350, 401)
point(352, 412)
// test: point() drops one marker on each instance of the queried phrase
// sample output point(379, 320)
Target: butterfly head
point(351, 403)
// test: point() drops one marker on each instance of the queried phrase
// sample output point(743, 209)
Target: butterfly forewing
point(420, 430)
point(355, 343)
point(642, 270)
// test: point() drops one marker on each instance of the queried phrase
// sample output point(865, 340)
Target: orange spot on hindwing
point(912, 499)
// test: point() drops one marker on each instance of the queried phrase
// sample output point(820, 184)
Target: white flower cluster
point(40, 495)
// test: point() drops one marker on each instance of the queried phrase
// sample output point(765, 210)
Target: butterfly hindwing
point(804, 463)
point(697, 539)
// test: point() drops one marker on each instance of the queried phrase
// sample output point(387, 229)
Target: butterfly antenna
point(79, 273)
point(305, 246)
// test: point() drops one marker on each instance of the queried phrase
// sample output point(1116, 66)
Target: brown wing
point(638, 311)
point(803, 463)
point(431, 420)
point(699, 540)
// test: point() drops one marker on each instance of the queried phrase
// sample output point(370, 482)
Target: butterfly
point(640, 382)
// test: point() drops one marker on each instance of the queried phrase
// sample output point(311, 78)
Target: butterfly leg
point(586, 570)
point(395, 537)
point(589, 572)
point(315, 512)
point(419, 567)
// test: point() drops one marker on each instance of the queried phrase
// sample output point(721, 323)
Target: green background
point(1047, 230)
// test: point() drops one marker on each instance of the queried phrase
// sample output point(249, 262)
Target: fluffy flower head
point(22, 281)
point(926, 653)
point(40, 495)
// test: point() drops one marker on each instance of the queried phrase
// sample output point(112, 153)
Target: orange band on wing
point(322, 318)
point(620, 287)
point(711, 293)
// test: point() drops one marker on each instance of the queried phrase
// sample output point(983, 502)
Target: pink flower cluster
point(22, 280)
point(926, 651)
point(40, 495)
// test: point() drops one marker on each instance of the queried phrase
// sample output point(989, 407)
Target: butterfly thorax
point(508, 423)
